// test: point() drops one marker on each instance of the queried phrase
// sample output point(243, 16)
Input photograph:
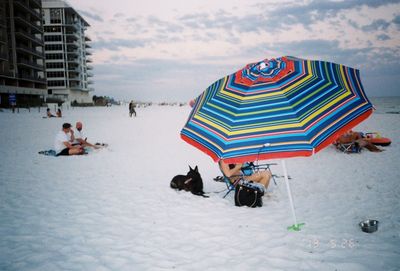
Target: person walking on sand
point(79, 137)
point(132, 109)
point(63, 142)
point(58, 113)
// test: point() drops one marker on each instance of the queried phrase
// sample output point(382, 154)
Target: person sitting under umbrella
point(235, 172)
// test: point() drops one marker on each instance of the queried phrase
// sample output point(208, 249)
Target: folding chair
point(247, 169)
point(352, 147)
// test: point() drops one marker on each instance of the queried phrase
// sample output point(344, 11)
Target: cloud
point(91, 16)
point(173, 57)
point(376, 25)
point(396, 21)
point(383, 37)
point(116, 44)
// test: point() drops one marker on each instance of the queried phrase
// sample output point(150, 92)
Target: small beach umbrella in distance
point(275, 109)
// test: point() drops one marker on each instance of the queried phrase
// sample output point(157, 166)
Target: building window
point(53, 47)
point(55, 74)
point(56, 83)
point(55, 16)
point(54, 65)
point(54, 56)
point(49, 29)
point(52, 38)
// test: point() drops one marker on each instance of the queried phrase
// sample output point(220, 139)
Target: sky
point(157, 50)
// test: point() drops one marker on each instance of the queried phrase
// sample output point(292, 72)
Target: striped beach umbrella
point(277, 108)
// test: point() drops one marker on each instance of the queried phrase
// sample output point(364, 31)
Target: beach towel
point(48, 152)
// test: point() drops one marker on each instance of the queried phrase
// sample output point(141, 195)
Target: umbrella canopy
point(276, 108)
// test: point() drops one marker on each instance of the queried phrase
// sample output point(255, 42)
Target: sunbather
point(356, 137)
point(234, 172)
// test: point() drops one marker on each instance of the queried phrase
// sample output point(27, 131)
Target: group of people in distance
point(68, 142)
point(58, 113)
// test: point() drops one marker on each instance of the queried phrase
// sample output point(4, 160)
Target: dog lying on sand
point(192, 182)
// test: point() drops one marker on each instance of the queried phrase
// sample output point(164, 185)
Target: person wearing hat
point(63, 142)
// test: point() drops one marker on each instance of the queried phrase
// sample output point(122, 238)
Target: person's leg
point(63, 152)
point(261, 177)
point(368, 145)
point(75, 150)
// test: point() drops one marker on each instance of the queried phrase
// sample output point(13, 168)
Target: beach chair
point(352, 147)
point(247, 170)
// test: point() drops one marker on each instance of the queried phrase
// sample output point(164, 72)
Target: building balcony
point(89, 67)
point(74, 70)
point(89, 60)
point(88, 53)
point(87, 38)
point(73, 52)
point(32, 78)
point(4, 56)
point(30, 51)
point(30, 64)
point(70, 26)
point(36, 3)
point(55, 78)
point(7, 74)
point(73, 60)
point(87, 45)
point(71, 44)
point(74, 64)
point(90, 82)
point(2, 39)
point(25, 35)
point(89, 74)
point(72, 35)
point(22, 5)
point(25, 22)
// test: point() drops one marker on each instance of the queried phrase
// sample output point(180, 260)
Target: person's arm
point(235, 171)
point(80, 141)
point(67, 144)
point(72, 139)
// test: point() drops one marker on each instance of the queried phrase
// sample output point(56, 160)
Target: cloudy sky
point(156, 50)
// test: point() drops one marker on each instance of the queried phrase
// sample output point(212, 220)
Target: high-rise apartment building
point(67, 53)
point(21, 52)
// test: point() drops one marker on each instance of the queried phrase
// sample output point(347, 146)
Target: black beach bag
point(248, 194)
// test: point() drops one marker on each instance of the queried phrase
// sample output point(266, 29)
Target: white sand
point(113, 209)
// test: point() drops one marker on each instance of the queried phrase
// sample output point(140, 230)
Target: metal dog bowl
point(369, 225)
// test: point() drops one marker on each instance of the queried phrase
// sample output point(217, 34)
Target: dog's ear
point(190, 168)
point(196, 169)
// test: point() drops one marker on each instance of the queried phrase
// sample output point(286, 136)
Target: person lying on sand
point(356, 137)
point(63, 144)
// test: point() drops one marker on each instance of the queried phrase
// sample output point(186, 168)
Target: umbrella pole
point(296, 226)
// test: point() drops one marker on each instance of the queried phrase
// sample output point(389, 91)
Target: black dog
point(190, 182)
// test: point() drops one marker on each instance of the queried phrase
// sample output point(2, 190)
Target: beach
point(113, 209)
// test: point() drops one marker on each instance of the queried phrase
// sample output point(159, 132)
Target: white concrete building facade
point(67, 53)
